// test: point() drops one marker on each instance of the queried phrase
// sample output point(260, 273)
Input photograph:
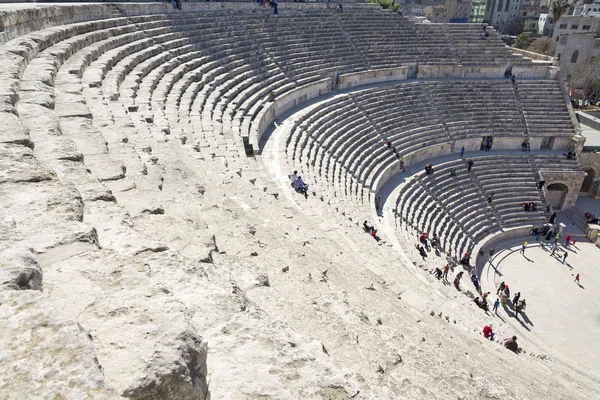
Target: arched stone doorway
point(588, 182)
point(556, 195)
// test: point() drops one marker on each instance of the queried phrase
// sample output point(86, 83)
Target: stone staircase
point(576, 216)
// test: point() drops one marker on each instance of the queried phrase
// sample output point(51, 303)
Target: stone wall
point(588, 119)
point(283, 103)
point(347, 81)
point(535, 56)
point(571, 179)
point(591, 161)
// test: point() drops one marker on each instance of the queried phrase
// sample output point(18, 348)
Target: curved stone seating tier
point(342, 139)
point(544, 108)
point(456, 207)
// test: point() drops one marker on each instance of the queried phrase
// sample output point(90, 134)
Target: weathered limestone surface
point(136, 264)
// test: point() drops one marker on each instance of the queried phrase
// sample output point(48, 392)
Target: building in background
point(577, 37)
point(477, 11)
point(545, 24)
point(530, 13)
point(498, 12)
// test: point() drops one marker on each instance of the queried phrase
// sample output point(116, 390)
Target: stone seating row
point(544, 108)
point(457, 208)
point(341, 140)
point(468, 217)
point(128, 49)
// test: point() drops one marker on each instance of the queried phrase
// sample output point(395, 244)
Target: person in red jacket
point(488, 333)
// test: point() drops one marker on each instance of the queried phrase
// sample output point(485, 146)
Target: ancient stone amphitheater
point(152, 247)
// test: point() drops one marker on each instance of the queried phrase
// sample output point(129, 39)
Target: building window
point(574, 26)
point(585, 27)
point(524, 13)
point(563, 26)
point(574, 57)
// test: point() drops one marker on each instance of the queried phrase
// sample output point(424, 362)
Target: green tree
point(385, 4)
point(522, 41)
point(543, 46)
point(558, 8)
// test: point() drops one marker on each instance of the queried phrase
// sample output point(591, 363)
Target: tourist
point(462, 151)
point(435, 240)
point(515, 300)
point(540, 186)
point(422, 251)
point(489, 198)
point(488, 333)
point(488, 144)
point(378, 203)
point(511, 344)
point(523, 248)
point(496, 304)
point(388, 144)
point(576, 278)
point(513, 79)
point(340, 8)
point(367, 228)
point(469, 165)
point(438, 273)
point(519, 307)
point(567, 240)
point(374, 235)
point(466, 259)
point(565, 255)
point(503, 299)
point(402, 168)
point(423, 238)
point(556, 237)
point(301, 187)
point(501, 288)
point(446, 269)
point(475, 282)
point(485, 295)
point(507, 291)
point(452, 172)
point(457, 280)
point(293, 177)
point(491, 251)
point(275, 7)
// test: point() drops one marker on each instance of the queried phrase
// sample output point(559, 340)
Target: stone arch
point(556, 194)
point(588, 182)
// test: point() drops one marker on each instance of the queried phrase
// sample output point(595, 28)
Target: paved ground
point(560, 313)
point(575, 221)
point(592, 136)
